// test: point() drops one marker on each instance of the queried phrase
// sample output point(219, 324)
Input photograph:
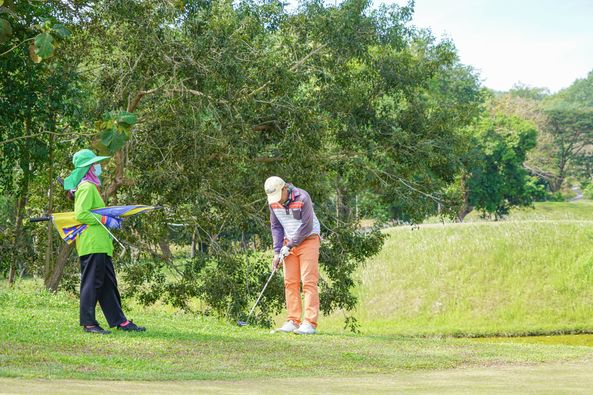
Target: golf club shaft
point(111, 234)
point(263, 290)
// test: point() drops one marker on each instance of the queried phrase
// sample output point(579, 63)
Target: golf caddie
point(296, 237)
point(95, 247)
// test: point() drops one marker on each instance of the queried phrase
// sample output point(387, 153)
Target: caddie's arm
point(307, 222)
point(82, 207)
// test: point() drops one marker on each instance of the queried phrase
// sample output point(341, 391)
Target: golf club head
point(242, 323)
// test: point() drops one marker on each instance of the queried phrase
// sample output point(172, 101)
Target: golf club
point(246, 322)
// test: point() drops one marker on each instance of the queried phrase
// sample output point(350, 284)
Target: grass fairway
point(514, 277)
point(567, 378)
point(39, 338)
point(581, 210)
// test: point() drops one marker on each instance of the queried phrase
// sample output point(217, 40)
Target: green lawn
point(40, 338)
point(553, 378)
point(477, 279)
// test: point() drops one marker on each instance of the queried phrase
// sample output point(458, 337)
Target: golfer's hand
point(284, 251)
point(110, 222)
point(276, 262)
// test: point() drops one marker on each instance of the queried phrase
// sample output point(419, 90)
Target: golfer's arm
point(277, 232)
point(307, 223)
point(82, 207)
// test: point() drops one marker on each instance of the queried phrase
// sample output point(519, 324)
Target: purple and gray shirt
point(294, 222)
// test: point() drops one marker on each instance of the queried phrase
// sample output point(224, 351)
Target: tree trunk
point(343, 210)
point(466, 208)
point(338, 204)
point(194, 242)
point(56, 276)
point(556, 183)
point(22, 198)
point(49, 253)
point(18, 236)
point(165, 249)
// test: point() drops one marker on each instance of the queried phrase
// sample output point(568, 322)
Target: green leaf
point(113, 140)
point(119, 140)
point(61, 30)
point(5, 30)
point(126, 118)
point(107, 137)
point(43, 45)
point(1, 2)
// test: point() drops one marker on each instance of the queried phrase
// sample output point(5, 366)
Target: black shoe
point(131, 327)
point(96, 329)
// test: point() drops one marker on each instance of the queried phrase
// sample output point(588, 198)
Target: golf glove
point(284, 251)
point(276, 262)
point(110, 222)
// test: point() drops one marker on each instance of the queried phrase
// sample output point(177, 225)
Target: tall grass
point(581, 210)
point(481, 278)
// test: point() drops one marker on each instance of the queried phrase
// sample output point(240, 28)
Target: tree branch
point(16, 46)
point(30, 136)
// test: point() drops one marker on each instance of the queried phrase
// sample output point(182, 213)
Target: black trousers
point(98, 284)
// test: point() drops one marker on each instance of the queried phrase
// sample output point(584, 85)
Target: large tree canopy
point(200, 101)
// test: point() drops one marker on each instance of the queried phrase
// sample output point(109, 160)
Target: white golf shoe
point(288, 327)
point(305, 329)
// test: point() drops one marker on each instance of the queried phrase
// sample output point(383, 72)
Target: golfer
point(295, 232)
point(95, 247)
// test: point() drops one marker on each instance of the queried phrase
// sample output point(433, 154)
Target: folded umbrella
point(69, 228)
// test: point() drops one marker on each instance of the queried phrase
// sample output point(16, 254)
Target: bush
point(555, 197)
point(588, 192)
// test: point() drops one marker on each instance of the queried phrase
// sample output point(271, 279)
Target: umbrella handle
point(40, 219)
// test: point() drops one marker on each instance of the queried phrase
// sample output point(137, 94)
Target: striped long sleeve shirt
point(294, 222)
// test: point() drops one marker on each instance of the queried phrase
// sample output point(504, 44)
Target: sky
point(539, 43)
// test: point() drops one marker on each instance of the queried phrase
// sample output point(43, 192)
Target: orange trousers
point(303, 265)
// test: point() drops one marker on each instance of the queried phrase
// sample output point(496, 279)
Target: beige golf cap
point(273, 187)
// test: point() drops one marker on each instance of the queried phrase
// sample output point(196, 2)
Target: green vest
point(94, 239)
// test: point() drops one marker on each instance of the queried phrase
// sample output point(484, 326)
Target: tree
point(571, 127)
point(332, 99)
point(526, 103)
point(200, 101)
point(40, 102)
point(495, 179)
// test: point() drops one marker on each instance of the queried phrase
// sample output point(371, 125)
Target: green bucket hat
point(82, 161)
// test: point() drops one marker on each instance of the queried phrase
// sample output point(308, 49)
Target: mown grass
point(40, 338)
point(510, 277)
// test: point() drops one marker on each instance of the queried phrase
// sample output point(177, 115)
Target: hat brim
point(275, 197)
point(93, 160)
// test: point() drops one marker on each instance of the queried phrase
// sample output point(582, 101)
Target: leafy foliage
point(199, 101)
point(495, 179)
